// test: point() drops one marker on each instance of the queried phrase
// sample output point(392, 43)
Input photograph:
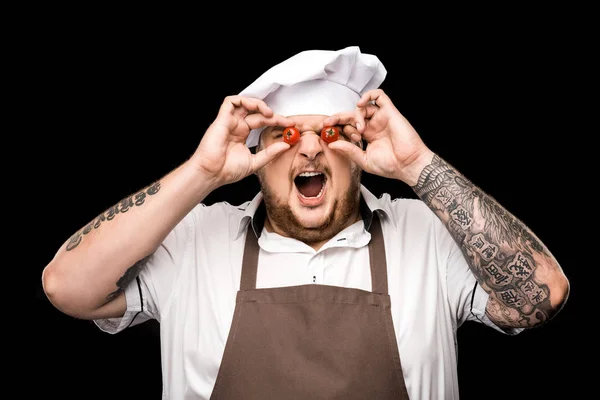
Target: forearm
point(526, 284)
point(99, 260)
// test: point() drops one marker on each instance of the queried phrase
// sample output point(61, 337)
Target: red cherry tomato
point(291, 135)
point(330, 134)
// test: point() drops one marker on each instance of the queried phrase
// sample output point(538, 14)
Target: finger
point(376, 97)
point(251, 104)
point(350, 130)
point(258, 120)
point(351, 151)
point(353, 118)
point(371, 101)
point(359, 116)
point(343, 118)
point(352, 133)
point(268, 154)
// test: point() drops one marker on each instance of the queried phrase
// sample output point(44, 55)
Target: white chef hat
point(320, 82)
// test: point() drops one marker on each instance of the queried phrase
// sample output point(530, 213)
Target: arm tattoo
point(501, 251)
point(121, 207)
point(128, 277)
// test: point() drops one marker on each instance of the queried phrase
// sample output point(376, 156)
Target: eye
point(276, 132)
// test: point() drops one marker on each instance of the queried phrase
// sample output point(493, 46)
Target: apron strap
point(377, 259)
point(250, 260)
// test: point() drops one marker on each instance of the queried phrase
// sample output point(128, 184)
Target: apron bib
point(312, 341)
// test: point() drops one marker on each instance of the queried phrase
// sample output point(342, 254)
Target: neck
point(272, 227)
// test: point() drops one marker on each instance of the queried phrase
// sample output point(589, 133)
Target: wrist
point(201, 181)
point(412, 171)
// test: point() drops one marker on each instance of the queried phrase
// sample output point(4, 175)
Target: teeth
point(309, 174)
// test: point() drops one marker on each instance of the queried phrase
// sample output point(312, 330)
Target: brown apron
point(312, 341)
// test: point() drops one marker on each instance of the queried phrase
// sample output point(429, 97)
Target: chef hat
point(319, 82)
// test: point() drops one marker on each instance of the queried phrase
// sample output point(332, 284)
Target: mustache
point(311, 165)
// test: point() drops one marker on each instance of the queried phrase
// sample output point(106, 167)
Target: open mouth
point(310, 185)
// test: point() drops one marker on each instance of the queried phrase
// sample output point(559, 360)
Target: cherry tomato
point(291, 135)
point(330, 134)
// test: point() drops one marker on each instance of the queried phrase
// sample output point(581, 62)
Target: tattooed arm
point(526, 284)
point(88, 275)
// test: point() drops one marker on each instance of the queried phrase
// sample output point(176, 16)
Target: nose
point(310, 145)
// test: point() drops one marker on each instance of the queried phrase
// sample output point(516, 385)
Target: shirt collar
point(255, 212)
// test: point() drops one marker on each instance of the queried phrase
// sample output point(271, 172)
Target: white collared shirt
point(190, 284)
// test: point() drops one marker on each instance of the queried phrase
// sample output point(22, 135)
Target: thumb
point(268, 154)
point(352, 151)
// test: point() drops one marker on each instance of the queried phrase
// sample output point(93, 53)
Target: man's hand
point(394, 149)
point(222, 155)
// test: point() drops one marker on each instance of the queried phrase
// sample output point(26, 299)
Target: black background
point(119, 102)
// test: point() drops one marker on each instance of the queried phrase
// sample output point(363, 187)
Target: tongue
point(309, 187)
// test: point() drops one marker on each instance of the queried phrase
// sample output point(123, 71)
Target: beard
point(344, 210)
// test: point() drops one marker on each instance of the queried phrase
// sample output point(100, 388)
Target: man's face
point(310, 191)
